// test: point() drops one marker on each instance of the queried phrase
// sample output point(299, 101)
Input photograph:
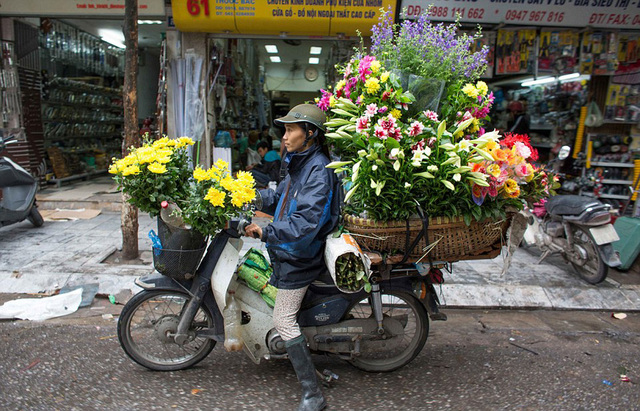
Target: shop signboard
point(278, 17)
point(78, 8)
point(622, 14)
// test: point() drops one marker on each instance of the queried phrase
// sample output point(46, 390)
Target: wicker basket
point(450, 239)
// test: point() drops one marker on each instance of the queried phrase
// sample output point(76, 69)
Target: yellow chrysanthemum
point(129, 160)
point(115, 167)
point(184, 141)
point(470, 90)
point(372, 85)
point(200, 175)
point(396, 113)
point(375, 66)
point(161, 143)
point(215, 197)
point(494, 170)
point(131, 170)
point(157, 168)
point(228, 183)
point(384, 77)
point(245, 178)
point(482, 87)
point(222, 165)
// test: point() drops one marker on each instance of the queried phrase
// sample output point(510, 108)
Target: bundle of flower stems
point(256, 271)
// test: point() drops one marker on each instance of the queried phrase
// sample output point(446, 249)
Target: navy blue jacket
point(302, 219)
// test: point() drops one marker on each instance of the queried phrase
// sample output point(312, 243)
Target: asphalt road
point(477, 360)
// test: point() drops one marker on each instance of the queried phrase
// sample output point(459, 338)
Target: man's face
point(262, 151)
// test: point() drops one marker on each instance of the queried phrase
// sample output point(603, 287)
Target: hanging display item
point(69, 45)
point(558, 51)
point(10, 90)
point(515, 51)
point(599, 53)
point(623, 97)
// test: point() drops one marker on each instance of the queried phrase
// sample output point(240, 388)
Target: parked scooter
point(17, 191)
point(578, 228)
point(171, 325)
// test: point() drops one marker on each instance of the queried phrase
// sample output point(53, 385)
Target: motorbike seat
point(571, 204)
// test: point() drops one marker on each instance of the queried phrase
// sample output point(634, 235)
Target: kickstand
point(543, 256)
point(327, 377)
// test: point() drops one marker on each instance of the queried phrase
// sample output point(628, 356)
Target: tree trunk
point(129, 220)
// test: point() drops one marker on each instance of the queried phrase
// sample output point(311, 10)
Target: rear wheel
point(147, 325)
point(590, 266)
point(35, 217)
point(390, 352)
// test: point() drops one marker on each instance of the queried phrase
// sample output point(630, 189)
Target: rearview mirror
point(564, 152)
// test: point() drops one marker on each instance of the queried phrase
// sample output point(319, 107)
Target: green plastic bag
point(256, 271)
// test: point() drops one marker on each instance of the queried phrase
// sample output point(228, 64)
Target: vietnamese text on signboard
point(623, 14)
point(87, 8)
point(294, 17)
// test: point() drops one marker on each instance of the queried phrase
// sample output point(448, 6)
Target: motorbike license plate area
point(604, 235)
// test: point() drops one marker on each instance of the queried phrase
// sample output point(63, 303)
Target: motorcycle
point(17, 191)
point(578, 228)
point(173, 324)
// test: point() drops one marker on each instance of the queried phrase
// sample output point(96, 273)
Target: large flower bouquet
point(155, 172)
point(444, 161)
point(159, 171)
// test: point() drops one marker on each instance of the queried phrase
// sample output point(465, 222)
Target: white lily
point(448, 185)
point(396, 165)
point(337, 164)
point(457, 177)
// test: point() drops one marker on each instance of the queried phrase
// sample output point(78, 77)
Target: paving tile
point(471, 295)
point(592, 298)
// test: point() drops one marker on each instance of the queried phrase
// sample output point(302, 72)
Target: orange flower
point(499, 154)
point(513, 194)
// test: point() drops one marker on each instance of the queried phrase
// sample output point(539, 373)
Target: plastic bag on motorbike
point(349, 267)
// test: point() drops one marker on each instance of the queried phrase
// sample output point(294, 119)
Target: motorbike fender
point(609, 255)
point(157, 281)
point(254, 332)
point(225, 271)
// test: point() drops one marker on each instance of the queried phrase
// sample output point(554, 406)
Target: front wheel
point(35, 217)
point(390, 352)
point(147, 325)
point(590, 266)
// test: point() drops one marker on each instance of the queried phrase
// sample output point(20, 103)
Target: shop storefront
point(69, 64)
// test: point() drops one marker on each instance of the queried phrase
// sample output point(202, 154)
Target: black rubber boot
point(300, 357)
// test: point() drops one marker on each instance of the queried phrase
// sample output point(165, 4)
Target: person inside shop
point(306, 208)
point(253, 158)
point(518, 122)
point(265, 136)
point(268, 169)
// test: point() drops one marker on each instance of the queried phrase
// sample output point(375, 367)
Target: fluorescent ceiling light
point(271, 48)
point(149, 21)
point(315, 50)
point(542, 80)
point(569, 76)
point(275, 59)
point(113, 37)
point(314, 60)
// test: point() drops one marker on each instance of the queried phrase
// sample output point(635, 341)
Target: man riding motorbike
point(306, 208)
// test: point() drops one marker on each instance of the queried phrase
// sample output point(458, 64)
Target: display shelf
point(83, 176)
point(60, 138)
point(618, 122)
point(605, 164)
point(84, 121)
point(68, 104)
point(624, 182)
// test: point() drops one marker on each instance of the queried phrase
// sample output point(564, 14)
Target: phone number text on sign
point(534, 16)
point(471, 13)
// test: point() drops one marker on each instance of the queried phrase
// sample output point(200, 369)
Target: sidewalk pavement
point(70, 253)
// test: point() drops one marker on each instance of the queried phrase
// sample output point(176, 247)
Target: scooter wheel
point(593, 270)
point(146, 327)
point(35, 217)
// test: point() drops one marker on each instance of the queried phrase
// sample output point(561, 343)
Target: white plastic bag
point(346, 246)
point(594, 116)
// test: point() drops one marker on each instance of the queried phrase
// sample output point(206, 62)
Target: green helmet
point(303, 113)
